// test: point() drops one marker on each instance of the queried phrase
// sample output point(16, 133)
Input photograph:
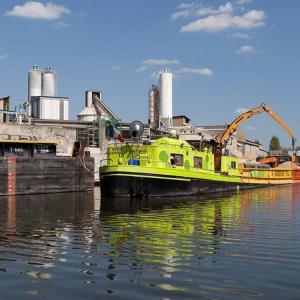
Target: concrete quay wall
point(65, 137)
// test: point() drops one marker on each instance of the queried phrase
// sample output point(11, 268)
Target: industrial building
point(161, 119)
point(42, 96)
point(45, 116)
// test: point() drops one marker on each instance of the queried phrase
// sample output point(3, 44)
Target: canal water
point(244, 245)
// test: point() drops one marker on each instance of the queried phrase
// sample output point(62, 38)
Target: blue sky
point(226, 56)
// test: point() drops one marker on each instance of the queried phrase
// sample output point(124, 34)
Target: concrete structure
point(165, 89)
point(50, 108)
point(65, 137)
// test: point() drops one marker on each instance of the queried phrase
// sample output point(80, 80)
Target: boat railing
point(105, 159)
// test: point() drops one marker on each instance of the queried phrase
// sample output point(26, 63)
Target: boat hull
point(144, 187)
point(171, 167)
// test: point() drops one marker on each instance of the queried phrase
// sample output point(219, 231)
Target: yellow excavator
point(223, 138)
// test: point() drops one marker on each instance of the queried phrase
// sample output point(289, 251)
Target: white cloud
point(3, 56)
point(186, 5)
point(250, 128)
point(204, 71)
point(152, 62)
point(192, 9)
point(242, 2)
point(222, 22)
point(38, 10)
point(241, 110)
point(242, 36)
point(222, 9)
point(180, 14)
point(247, 50)
point(225, 9)
point(141, 69)
point(160, 61)
point(115, 68)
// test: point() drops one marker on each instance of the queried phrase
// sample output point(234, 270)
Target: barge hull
point(129, 186)
point(19, 175)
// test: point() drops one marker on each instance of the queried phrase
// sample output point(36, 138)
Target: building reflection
point(37, 230)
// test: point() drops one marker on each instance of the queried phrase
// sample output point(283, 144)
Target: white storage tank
point(48, 83)
point(165, 107)
point(34, 82)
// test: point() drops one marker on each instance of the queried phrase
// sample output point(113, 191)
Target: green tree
point(274, 143)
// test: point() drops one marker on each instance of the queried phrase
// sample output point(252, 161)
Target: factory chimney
point(165, 107)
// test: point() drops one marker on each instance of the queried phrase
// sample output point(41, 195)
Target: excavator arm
point(249, 114)
point(267, 109)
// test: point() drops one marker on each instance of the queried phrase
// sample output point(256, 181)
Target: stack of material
point(288, 165)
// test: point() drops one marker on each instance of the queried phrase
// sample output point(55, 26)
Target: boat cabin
point(171, 153)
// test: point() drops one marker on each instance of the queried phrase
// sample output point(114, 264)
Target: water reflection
point(241, 245)
point(38, 233)
point(200, 235)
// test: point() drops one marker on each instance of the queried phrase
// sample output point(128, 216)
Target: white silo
point(34, 82)
point(165, 107)
point(48, 83)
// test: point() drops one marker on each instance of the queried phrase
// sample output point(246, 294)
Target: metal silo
point(153, 106)
point(165, 88)
point(34, 82)
point(48, 83)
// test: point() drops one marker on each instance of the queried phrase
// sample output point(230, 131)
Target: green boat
point(172, 167)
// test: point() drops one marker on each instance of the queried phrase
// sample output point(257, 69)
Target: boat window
point(176, 159)
point(198, 162)
point(233, 165)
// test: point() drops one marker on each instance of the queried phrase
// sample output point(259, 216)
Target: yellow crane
point(222, 138)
